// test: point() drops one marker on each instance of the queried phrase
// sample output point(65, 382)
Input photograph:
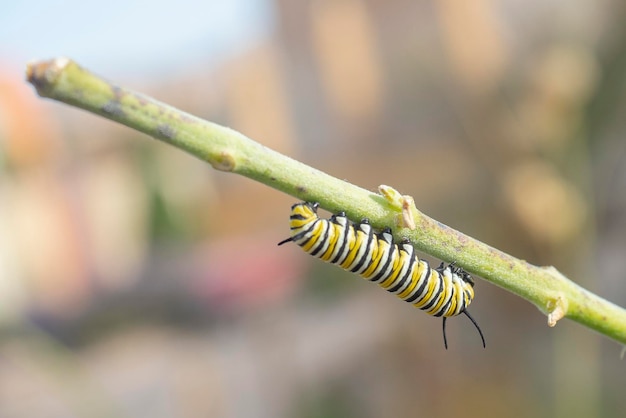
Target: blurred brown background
point(136, 281)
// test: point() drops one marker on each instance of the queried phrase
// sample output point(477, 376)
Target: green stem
point(227, 150)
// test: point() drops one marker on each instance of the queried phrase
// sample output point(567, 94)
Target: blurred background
point(137, 281)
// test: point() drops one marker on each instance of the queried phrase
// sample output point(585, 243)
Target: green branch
point(227, 150)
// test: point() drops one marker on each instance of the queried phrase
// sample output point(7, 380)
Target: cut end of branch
point(43, 74)
point(557, 309)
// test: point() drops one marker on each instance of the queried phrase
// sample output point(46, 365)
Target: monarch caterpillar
point(356, 247)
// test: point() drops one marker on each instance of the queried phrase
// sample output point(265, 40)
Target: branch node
point(224, 161)
point(407, 212)
point(557, 309)
point(391, 195)
point(403, 203)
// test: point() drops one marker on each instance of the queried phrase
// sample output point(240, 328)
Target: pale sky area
point(122, 37)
